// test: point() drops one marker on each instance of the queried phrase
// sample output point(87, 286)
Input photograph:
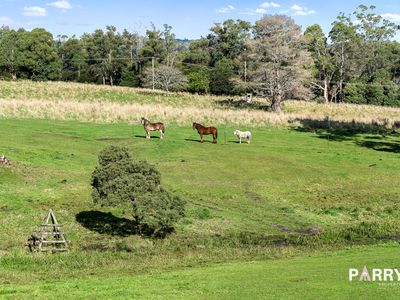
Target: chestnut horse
point(152, 126)
point(206, 130)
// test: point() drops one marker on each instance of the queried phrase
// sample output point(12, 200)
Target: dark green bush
point(157, 212)
point(119, 181)
point(202, 213)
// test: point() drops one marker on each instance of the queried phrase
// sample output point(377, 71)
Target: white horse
point(243, 134)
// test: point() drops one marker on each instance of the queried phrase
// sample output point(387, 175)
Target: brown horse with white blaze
point(152, 127)
point(205, 131)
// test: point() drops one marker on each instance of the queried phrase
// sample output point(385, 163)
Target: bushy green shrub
point(157, 212)
point(119, 181)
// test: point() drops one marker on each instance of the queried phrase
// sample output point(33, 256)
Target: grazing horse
point(152, 126)
point(243, 135)
point(206, 130)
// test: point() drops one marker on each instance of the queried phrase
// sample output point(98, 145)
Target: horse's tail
point(216, 133)
point(163, 128)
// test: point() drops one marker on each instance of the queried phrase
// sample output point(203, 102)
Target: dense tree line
point(357, 62)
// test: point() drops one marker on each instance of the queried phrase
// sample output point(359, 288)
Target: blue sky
point(189, 19)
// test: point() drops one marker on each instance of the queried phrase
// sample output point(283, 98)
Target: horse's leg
point(240, 140)
point(214, 138)
point(161, 134)
point(147, 134)
point(201, 137)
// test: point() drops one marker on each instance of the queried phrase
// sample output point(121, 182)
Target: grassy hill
point(298, 190)
point(105, 104)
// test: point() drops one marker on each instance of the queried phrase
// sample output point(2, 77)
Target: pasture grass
point(105, 104)
point(306, 277)
point(326, 186)
point(291, 192)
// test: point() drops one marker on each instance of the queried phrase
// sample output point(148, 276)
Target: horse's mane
point(194, 123)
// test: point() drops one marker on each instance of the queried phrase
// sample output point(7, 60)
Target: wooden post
point(225, 134)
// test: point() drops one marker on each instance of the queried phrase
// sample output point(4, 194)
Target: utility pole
point(152, 69)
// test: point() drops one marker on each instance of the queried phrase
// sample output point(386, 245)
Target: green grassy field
point(247, 205)
point(321, 276)
point(283, 217)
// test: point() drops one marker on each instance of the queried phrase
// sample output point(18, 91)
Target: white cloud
point(226, 9)
point(252, 12)
point(391, 17)
point(298, 10)
point(260, 10)
point(63, 4)
point(5, 20)
point(34, 11)
point(296, 7)
point(269, 4)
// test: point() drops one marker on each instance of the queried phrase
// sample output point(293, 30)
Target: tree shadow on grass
point(374, 136)
point(381, 146)
point(106, 223)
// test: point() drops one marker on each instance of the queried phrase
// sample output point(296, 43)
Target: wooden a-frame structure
point(49, 237)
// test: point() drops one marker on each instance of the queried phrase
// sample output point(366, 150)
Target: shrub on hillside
point(119, 181)
point(156, 212)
